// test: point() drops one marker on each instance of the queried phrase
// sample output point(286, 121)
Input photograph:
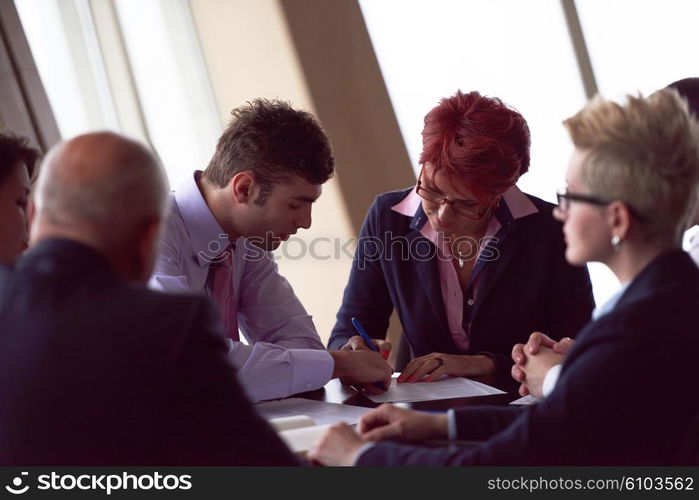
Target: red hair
point(477, 142)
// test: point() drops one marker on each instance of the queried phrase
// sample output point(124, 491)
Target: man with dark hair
point(17, 162)
point(95, 369)
point(258, 190)
point(264, 136)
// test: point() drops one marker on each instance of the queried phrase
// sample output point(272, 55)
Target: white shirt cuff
point(268, 371)
point(550, 380)
point(313, 369)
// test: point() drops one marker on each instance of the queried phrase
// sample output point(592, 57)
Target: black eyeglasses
point(467, 208)
point(565, 197)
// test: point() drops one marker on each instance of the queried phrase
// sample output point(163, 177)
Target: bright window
point(63, 42)
point(640, 45)
point(172, 83)
point(431, 49)
point(170, 93)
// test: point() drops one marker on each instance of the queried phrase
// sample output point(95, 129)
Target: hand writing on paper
point(356, 343)
point(362, 368)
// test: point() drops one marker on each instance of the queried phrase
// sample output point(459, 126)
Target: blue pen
point(370, 344)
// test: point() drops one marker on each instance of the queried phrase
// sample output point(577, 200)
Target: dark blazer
point(95, 371)
point(528, 287)
point(626, 394)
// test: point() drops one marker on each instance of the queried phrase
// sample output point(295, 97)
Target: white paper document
point(320, 412)
point(301, 440)
point(446, 388)
point(282, 424)
point(525, 400)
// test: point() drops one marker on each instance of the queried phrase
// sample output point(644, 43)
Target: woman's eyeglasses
point(467, 208)
point(565, 197)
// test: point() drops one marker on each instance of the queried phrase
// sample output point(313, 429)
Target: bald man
point(94, 368)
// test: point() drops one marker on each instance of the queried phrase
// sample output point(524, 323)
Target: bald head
point(101, 189)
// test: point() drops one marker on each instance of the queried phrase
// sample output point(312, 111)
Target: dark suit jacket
point(626, 394)
point(95, 371)
point(528, 287)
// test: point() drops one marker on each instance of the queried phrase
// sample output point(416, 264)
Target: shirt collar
point(208, 238)
point(519, 203)
point(609, 306)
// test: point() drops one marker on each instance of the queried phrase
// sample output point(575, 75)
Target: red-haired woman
point(470, 263)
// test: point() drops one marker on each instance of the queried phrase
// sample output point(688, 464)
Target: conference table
point(335, 392)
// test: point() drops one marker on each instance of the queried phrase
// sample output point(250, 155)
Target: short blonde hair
point(645, 153)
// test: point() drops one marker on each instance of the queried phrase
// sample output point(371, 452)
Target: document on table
point(525, 400)
point(446, 388)
point(319, 411)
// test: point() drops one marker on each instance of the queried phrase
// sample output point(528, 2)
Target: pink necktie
point(222, 289)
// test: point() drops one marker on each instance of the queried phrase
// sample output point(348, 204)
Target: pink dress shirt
point(452, 295)
point(284, 354)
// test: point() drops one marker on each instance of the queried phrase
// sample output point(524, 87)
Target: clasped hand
point(533, 360)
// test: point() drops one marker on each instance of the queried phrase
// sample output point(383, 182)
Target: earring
point(616, 241)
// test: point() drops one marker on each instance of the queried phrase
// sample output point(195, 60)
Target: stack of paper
point(301, 422)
